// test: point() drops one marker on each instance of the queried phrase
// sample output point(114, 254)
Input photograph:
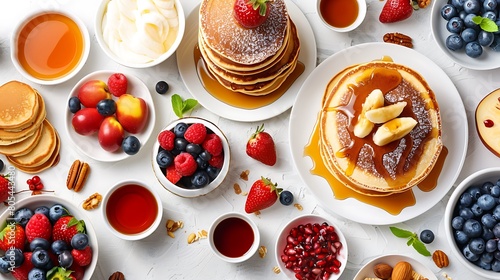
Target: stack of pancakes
point(27, 138)
point(252, 61)
point(360, 163)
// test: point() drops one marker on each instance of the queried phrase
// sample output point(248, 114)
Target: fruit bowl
point(293, 229)
point(32, 202)
point(458, 228)
point(89, 144)
point(121, 52)
point(367, 270)
point(216, 175)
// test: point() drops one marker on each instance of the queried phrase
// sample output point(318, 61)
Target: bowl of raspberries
point(191, 157)
point(46, 237)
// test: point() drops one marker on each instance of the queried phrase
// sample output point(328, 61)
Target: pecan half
point(117, 276)
point(440, 259)
point(398, 38)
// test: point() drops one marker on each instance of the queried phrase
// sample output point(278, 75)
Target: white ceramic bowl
point(54, 77)
point(32, 202)
point(89, 144)
point(281, 242)
point(256, 237)
point(102, 9)
point(359, 18)
point(475, 179)
point(127, 197)
point(184, 192)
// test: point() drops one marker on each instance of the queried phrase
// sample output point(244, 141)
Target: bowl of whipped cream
point(141, 33)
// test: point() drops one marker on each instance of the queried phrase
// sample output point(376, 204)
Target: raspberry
point(217, 161)
point(166, 140)
point(185, 164)
point(117, 84)
point(212, 144)
point(196, 133)
point(172, 175)
point(38, 226)
point(82, 257)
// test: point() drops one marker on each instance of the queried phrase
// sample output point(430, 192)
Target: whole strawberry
point(66, 227)
point(21, 272)
point(261, 147)
point(117, 84)
point(12, 236)
point(396, 10)
point(251, 13)
point(38, 226)
point(82, 257)
point(262, 194)
point(4, 188)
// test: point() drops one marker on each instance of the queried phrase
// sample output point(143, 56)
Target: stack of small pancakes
point(358, 161)
point(252, 61)
point(27, 138)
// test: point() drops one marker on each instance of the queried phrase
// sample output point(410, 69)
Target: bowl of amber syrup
point(49, 47)
point(341, 15)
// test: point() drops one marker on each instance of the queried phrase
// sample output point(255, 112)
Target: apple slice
point(488, 121)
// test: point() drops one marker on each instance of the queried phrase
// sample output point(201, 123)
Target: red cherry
point(36, 180)
point(32, 187)
point(39, 186)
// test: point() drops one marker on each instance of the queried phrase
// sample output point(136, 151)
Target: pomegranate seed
point(488, 123)
point(316, 271)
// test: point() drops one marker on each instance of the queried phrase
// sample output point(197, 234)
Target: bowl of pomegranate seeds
point(311, 247)
point(190, 157)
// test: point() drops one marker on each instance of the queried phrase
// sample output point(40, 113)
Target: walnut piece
point(423, 3)
point(244, 175)
point(172, 226)
point(92, 202)
point(399, 39)
point(262, 251)
point(117, 276)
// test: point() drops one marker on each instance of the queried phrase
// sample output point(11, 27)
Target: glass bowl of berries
point(311, 245)
point(49, 235)
point(472, 224)
point(191, 157)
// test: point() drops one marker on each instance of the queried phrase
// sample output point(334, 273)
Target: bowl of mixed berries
point(46, 237)
point(191, 157)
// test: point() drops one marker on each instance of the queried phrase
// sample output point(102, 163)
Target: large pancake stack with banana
point(27, 138)
point(253, 61)
point(380, 128)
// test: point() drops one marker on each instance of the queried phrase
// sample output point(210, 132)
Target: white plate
point(89, 145)
point(187, 69)
point(488, 60)
point(367, 269)
point(308, 104)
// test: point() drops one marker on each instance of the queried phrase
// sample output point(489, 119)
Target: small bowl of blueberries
point(191, 157)
point(472, 222)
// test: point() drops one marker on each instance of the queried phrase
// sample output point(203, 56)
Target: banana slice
point(393, 130)
point(363, 126)
point(386, 113)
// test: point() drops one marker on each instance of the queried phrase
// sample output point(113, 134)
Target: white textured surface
point(161, 257)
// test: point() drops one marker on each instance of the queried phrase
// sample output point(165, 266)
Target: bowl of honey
point(50, 47)
point(341, 15)
point(132, 210)
point(234, 237)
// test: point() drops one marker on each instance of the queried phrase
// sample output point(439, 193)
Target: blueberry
point(193, 149)
point(455, 25)
point(472, 228)
point(179, 129)
point(462, 14)
point(469, 255)
point(448, 11)
point(2, 165)
point(65, 259)
point(469, 35)
point(473, 49)
point(106, 107)
point(36, 274)
point(465, 199)
point(477, 246)
point(483, 265)
point(496, 230)
point(486, 202)
point(495, 265)
point(212, 172)
point(131, 145)
point(495, 191)
point(459, 4)
point(202, 164)
point(180, 144)
point(457, 222)
point(490, 14)
point(472, 6)
point(427, 236)
point(485, 39)
point(207, 156)
point(496, 212)
point(79, 241)
point(4, 265)
point(161, 87)
point(59, 246)
point(491, 245)
point(15, 255)
point(487, 257)
point(200, 179)
point(488, 220)
point(476, 210)
point(475, 192)
point(164, 158)
point(286, 197)
point(22, 216)
point(468, 22)
point(56, 212)
point(454, 42)
point(466, 213)
point(496, 254)
point(490, 5)
point(495, 46)
point(40, 258)
point(74, 104)
point(43, 210)
point(39, 243)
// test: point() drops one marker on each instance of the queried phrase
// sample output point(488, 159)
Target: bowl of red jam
point(234, 237)
point(132, 210)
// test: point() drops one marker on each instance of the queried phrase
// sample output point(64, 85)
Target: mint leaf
point(182, 106)
point(410, 241)
point(420, 247)
point(401, 232)
point(485, 23)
